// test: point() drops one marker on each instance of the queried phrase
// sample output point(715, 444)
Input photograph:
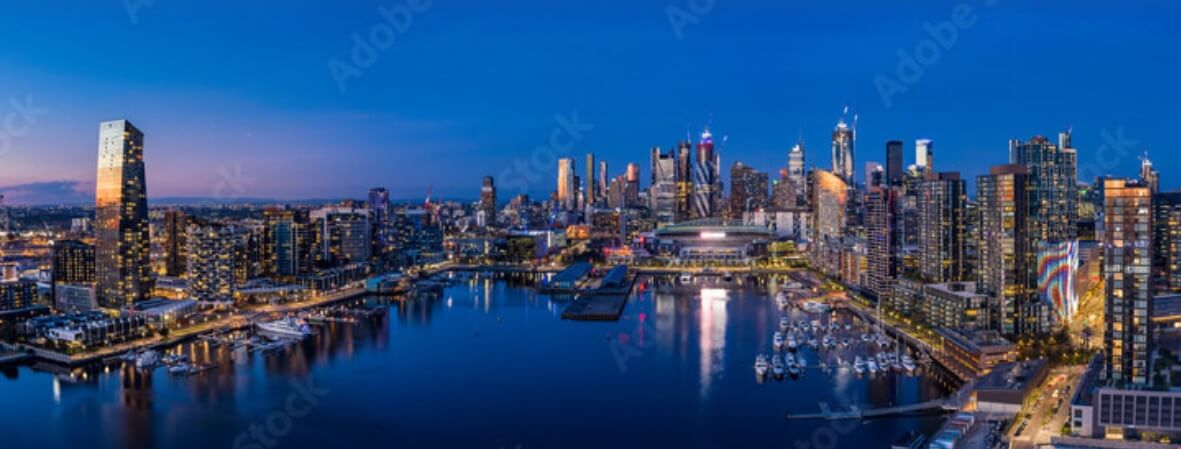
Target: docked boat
point(179, 368)
point(872, 366)
point(801, 362)
point(285, 328)
point(761, 365)
point(781, 298)
point(147, 359)
point(784, 324)
point(813, 342)
point(777, 341)
point(686, 278)
point(908, 363)
point(859, 365)
point(728, 277)
point(777, 365)
point(792, 343)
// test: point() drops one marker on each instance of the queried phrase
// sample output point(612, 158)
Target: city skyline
point(338, 144)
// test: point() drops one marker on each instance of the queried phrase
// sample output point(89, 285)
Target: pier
point(951, 404)
point(605, 301)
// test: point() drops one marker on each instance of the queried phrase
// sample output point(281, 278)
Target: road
point(1039, 428)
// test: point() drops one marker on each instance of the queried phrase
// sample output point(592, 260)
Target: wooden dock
point(595, 308)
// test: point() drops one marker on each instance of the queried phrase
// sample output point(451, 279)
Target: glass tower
point(122, 269)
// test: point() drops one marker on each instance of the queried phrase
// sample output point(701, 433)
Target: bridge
point(951, 404)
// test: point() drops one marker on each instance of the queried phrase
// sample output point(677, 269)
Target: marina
point(696, 343)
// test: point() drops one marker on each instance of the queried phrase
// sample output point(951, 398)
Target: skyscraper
point(830, 196)
point(706, 179)
point(748, 190)
point(379, 213)
point(684, 181)
point(1127, 256)
point(881, 244)
point(924, 152)
point(796, 173)
point(176, 223)
point(875, 175)
point(1166, 236)
point(1008, 250)
point(1054, 174)
point(567, 189)
point(842, 152)
point(662, 194)
point(603, 182)
point(73, 263)
point(282, 251)
point(1148, 174)
point(122, 268)
point(894, 168)
point(591, 193)
point(488, 199)
point(942, 228)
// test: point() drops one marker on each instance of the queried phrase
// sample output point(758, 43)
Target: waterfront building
point(1127, 267)
point(74, 297)
point(1005, 389)
point(894, 173)
point(488, 196)
point(709, 240)
point(213, 262)
point(72, 262)
point(1053, 172)
point(924, 153)
point(175, 223)
point(17, 295)
point(976, 351)
point(830, 197)
point(283, 233)
point(748, 190)
point(955, 305)
point(1007, 251)
point(942, 227)
point(567, 189)
point(882, 248)
point(843, 139)
point(122, 266)
point(344, 234)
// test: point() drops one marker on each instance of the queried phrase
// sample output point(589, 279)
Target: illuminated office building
point(1053, 171)
point(1008, 251)
point(942, 228)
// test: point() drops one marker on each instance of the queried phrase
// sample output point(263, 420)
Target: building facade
point(1127, 271)
point(123, 270)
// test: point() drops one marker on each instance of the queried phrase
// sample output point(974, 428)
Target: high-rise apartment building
point(662, 194)
point(830, 197)
point(684, 181)
point(1008, 250)
point(796, 173)
point(748, 190)
point(942, 228)
point(213, 262)
point(122, 266)
point(567, 187)
point(924, 153)
point(1127, 259)
point(176, 224)
point(73, 262)
point(707, 180)
point(591, 193)
point(881, 244)
point(1053, 169)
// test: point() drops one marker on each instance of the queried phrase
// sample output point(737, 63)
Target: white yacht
point(147, 359)
point(859, 365)
point(908, 363)
point(781, 298)
point(777, 365)
point(777, 340)
point(761, 365)
point(728, 277)
point(686, 278)
point(802, 362)
point(179, 368)
point(792, 343)
point(871, 365)
point(784, 324)
point(285, 327)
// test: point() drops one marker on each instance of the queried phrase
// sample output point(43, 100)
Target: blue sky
point(237, 98)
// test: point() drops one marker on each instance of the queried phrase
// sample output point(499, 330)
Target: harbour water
point(487, 363)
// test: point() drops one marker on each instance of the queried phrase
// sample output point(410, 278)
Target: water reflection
point(712, 336)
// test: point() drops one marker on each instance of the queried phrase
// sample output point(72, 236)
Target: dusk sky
point(239, 99)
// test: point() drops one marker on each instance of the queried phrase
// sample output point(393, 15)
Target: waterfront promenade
point(237, 320)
